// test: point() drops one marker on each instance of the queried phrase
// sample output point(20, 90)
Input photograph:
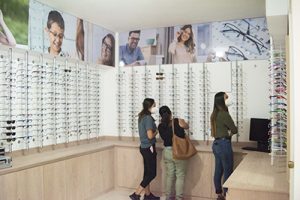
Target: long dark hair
point(190, 42)
point(147, 104)
point(80, 39)
point(219, 104)
point(165, 114)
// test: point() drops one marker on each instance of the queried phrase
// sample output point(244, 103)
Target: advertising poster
point(14, 23)
point(61, 34)
point(244, 39)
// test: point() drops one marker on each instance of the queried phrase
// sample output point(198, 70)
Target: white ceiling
point(125, 15)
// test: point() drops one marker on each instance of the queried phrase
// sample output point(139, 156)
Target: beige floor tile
point(119, 194)
point(123, 194)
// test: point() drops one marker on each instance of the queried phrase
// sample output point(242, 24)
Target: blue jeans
point(223, 162)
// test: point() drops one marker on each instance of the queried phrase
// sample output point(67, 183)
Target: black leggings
point(149, 165)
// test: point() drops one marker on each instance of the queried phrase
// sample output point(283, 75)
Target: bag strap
point(174, 129)
point(173, 126)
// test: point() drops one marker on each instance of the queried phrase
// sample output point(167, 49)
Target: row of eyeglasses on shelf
point(278, 102)
point(184, 92)
point(47, 102)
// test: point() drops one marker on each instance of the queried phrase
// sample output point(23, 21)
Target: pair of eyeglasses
point(10, 127)
point(10, 133)
point(10, 121)
point(57, 35)
point(107, 47)
point(8, 140)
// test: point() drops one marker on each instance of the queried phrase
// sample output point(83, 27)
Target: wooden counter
point(256, 179)
point(88, 170)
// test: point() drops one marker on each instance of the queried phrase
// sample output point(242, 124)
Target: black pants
point(149, 158)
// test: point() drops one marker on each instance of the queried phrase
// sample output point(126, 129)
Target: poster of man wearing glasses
point(242, 39)
point(60, 34)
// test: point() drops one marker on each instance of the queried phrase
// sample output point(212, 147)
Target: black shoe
point(151, 197)
point(221, 197)
point(134, 196)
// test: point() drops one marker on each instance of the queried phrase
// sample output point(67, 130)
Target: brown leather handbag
point(182, 148)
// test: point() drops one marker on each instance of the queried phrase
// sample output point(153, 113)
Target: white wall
point(294, 98)
point(109, 103)
point(276, 7)
point(256, 99)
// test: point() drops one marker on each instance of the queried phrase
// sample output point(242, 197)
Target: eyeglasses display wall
point(197, 112)
point(189, 89)
point(278, 102)
point(134, 84)
point(184, 88)
point(47, 101)
point(237, 107)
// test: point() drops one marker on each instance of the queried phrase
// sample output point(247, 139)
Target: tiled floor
point(123, 194)
point(120, 194)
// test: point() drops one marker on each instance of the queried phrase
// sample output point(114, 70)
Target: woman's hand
point(151, 134)
point(183, 124)
point(178, 34)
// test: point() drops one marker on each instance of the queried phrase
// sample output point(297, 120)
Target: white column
point(294, 15)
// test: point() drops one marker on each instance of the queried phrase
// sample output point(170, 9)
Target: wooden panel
point(237, 159)
point(54, 181)
point(8, 189)
point(88, 176)
point(107, 170)
point(77, 175)
point(95, 174)
point(256, 173)
point(198, 180)
point(129, 167)
point(197, 183)
point(235, 194)
point(30, 184)
point(101, 176)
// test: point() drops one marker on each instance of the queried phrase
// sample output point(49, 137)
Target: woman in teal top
point(222, 128)
point(147, 132)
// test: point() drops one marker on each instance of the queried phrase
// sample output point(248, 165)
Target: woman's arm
point(194, 58)
point(230, 124)
point(151, 134)
point(183, 124)
point(172, 47)
point(6, 38)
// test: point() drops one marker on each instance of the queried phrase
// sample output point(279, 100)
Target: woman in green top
point(147, 132)
point(222, 128)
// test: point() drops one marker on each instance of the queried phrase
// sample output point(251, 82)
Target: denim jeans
point(175, 173)
point(222, 150)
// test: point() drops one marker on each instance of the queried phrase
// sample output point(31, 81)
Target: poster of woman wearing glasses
point(64, 35)
point(243, 39)
point(103, 46)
